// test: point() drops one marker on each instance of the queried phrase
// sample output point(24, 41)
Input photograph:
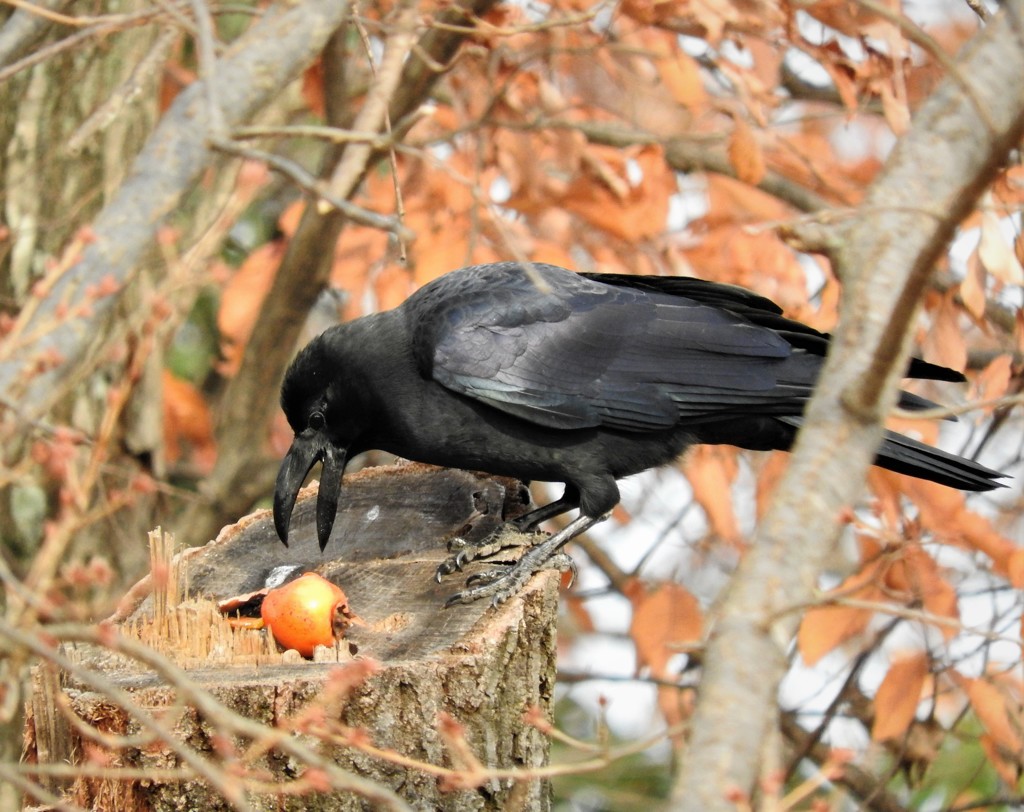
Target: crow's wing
point(760, 311)
point(583, 354)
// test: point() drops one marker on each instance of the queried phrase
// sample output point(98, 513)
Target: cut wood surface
point(480, 666)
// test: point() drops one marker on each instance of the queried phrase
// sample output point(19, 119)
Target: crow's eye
point(316, 421)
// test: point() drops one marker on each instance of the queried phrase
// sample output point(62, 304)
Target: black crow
point(546, 374)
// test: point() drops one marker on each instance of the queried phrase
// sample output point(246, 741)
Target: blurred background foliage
point(634, 137)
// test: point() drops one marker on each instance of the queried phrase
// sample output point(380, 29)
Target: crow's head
point(310, 397)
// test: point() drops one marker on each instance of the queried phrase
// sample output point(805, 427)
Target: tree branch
point(25, 27)
point(687, 155)
point(303, 274)
point(265, 59)
point(931, 181)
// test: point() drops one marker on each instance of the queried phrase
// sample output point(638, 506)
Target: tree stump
point(450, 688)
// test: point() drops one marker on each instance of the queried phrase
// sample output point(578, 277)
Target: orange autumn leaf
point(940, 599)
point(825, 628)
point(916, 574)
point(1006, 763)
point(241, 301)
point(578, 613)
point(606, 198)
point(187, 423)
point(730, 200)
point(853, 19)
point(290, 218)
point(1015, 569)
point(996, 253)
point(769, 476)
point(440, 248)
point(898, 695)
point(711, 471)
point(944, 512)
point(944, 343)
point(894, 106)
point(552, 253)
point(807, 158)
point(994, 380)
point(174, 78)
point(391, 286)
point(1003, 726)
point(678, 71)
point(662, 619)
point(972, 289)
point(756, 260)
point(313, 88)
point(745, 153)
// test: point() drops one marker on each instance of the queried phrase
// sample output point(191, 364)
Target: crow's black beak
point(303, 455)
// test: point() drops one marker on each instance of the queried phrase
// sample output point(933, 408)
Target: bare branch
point(302, 275)
point(885, 261)
point(278, 46)
point(25, 27)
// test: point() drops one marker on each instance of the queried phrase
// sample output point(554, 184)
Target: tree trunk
point(481, 667)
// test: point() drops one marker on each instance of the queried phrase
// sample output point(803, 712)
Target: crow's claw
point(563, 562)
point(488, 576)
point(501, 583)
point(506, 537)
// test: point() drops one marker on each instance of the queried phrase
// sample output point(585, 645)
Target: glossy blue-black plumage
point(542, 373)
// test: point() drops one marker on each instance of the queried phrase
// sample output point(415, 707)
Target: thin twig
point(392, 160)
point(63, 19)
point(374, 111)
point(921, 38)
point(941, 412)
point(105, 26)
point(335, 135)
point(480, 26)
point(13, 775)
point(191, 693)
point(207, 50)
point(126, 93)
point(978, 7)
point(42, 648)
point(314, 185)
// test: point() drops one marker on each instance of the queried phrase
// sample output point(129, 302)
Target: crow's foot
point(502, 582)
point(506, 537)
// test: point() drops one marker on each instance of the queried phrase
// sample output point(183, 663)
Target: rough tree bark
point(482, 667)
point(266, 58)
point(305, 268)
point(884, 257)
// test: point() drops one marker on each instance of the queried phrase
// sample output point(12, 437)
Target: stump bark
point(475, 668)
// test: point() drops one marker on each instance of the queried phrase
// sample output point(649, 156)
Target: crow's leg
point(501, 584)
point(570, 500)
point(519, 532)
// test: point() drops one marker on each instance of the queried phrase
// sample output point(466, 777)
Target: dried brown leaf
point(945, 343)
point(745, 153)
point(825, 628)
point(188, 423)
point(898, 695)
point(972, 289)
point(711, 471)
point(241, 300)
point(943, 511)
point(662, 619)
point(996, 253)
point(993, 709)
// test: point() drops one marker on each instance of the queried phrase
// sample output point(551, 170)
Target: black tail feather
point(904, 455)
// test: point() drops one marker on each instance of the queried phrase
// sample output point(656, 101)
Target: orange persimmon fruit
point(305, 613)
